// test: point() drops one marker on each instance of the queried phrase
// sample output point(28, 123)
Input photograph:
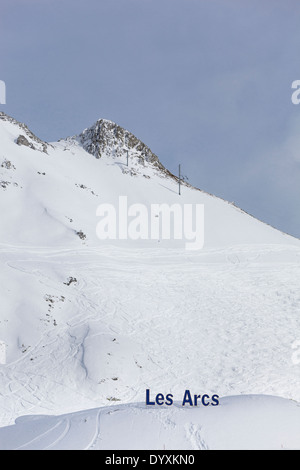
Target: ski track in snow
point(194, 436)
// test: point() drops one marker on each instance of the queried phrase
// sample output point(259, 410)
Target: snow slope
point(55, 190)
point(239, 423)
point(89, 323)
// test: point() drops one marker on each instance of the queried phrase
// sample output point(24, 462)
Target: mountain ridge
point(109, 144)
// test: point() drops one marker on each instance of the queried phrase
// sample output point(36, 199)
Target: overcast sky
point(204, 83)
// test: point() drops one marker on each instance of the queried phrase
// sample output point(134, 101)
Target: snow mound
point(254, 422)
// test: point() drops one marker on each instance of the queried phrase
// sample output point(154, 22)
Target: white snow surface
point(239, 423)
point(90, 325)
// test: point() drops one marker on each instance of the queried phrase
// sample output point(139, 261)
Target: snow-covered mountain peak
point(54, 189)
point(105, 138)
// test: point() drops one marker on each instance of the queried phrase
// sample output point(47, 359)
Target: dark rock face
point(27, 138)
point(21, 140)
point(7, 165)
point(107, 138)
